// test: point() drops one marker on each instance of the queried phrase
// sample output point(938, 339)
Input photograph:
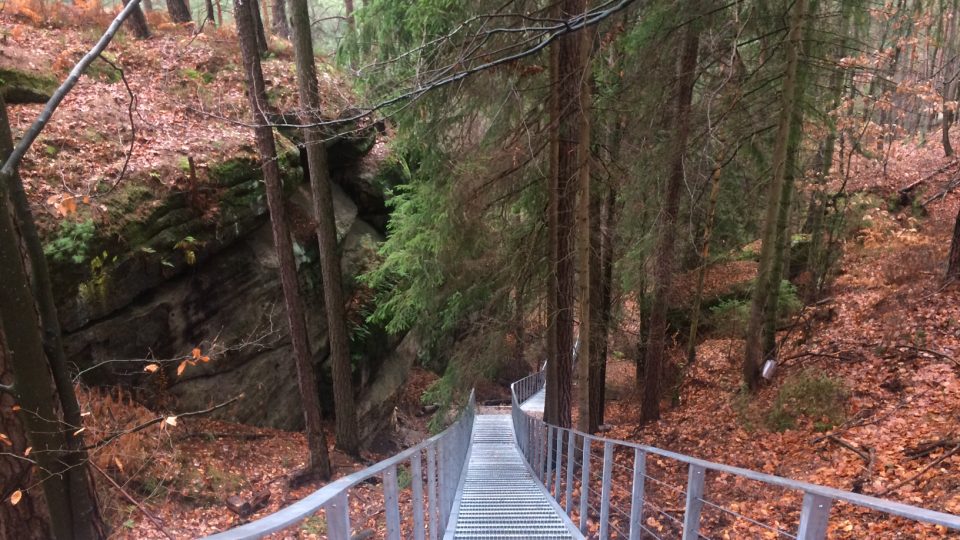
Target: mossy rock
point(23, 87)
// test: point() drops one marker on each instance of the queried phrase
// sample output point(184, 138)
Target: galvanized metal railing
point(623, 490)
point(431, 492)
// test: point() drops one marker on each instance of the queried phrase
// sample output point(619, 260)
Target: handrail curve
point(445, 455)
point(542, 445)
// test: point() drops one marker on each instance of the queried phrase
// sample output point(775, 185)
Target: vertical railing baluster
point(605, 490)
point(548, 462)
point(391, 502)
point(433, 508)
point(571, 456)
point(814, 517)
point(637, 494)
point(556, 480)
point(691, 518)
point(338, 517)
point(416, 477)
point(585, 485)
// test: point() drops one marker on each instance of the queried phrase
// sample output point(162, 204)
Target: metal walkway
point(498, 476)
point(500, 497)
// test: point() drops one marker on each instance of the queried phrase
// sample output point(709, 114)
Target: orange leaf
point(119, 465)
point(5, 440)
point(151, 368)
point(15, 497)
point(204, 358)
point(196, 353)
point(181, 367)
point(26, 452)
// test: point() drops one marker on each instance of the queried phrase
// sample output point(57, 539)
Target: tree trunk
point(347, 433)
point(138, 22)
point(947, 122)
point(179, 11)
point(281, 27)
point(753, 350)
point(211, 14)
point(83, 502)
point(553, 387)
point(704, 259)
point(29, 519)
point(953, 259)
point(663, 267)
point(33, 383)
point(258, 31)
point(266, 146)
point(587, 257)
point(348, 13)
point(568, 124)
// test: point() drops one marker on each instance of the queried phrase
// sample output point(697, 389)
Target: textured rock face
point(148, 299)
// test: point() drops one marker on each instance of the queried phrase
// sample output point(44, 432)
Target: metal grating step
point(500, 499)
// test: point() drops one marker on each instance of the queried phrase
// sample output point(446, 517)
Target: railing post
point(605, 490)
point(416, 478)
point(637, 495)
point(556, 480)
point(548, 462)
point(814, 517)
point(691, 518)
point(391, 503)
point(585, 485)
point(338, 517)
point(433, 508)
point(571, 455)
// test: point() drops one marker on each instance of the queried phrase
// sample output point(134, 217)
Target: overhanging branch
point(13, 161)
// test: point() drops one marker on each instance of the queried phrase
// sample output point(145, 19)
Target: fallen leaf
point(15, 497)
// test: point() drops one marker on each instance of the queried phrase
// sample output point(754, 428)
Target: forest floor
point(867, 394)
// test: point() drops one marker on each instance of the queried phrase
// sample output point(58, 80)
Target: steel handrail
point(541, 442)
point(446, 453)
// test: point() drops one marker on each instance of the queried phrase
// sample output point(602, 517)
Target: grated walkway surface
point(535, 403)
point(500, 498)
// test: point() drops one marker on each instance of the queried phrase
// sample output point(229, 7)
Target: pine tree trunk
point(258, 31)
point(138, 22)
point(266, 146)
point(29, 519)
point(953, 259)
point(704, 260)
point(553, 398)
point(281, 26)
point(211, 14)
point(568, 126)
point(347, 432)
point(753, 350)
point(179, 11)
point(663, 267)
point(83, 499)
point(587, 209)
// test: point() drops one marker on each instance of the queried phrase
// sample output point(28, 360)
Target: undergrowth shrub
point(810, 394)
point(72, 242)
point(729, 317)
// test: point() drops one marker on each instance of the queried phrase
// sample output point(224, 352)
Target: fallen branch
point(864, 454)
point(927, 448)
point(932, 464)
point(152, 518)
